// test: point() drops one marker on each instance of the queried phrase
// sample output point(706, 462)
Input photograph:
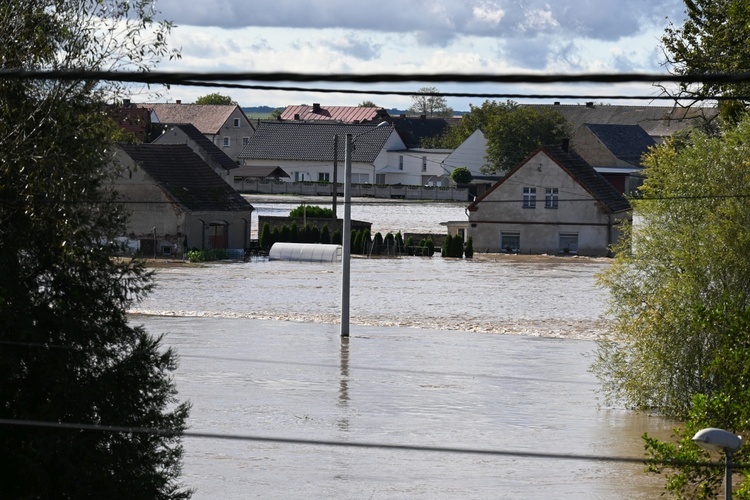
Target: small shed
point(305, 252)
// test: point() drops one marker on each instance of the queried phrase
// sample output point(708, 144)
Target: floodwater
point(489, 354)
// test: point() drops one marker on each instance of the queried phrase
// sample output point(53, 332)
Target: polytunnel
point(305, 252)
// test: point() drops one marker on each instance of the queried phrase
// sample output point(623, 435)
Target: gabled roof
point(346, 114)
point(626, 142)
point(211, 149)
point(577, 168)
point(208, 118)
point(313, 141)
point(412, 129)
point(186, 178)
point(657, 121)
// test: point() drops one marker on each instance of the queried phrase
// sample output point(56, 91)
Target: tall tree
point(690, 254)
point(69, 354)
point(367, 104)
point(712, 40)
point(427, 102)
point(512, 132)
point(216, 98)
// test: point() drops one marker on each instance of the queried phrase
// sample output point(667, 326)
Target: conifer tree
point(69, 352)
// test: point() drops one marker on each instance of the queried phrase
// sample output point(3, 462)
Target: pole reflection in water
point(344, 383)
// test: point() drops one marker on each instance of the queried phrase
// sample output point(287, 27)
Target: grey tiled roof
point(591, 180)
point(313, 141)
point(626, 142)
point(412, 129)
point(209, 147)
point(186, 178)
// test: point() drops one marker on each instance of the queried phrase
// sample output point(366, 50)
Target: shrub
point(469, 249)
point(457, 247)
point(325, 235)
point(336, 238)
point(447, 246)
point(265, 237)
point(312, 211)
point(207, 255)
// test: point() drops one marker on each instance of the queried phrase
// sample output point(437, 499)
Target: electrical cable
point(365, 445)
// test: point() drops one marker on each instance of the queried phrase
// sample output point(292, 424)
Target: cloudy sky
point(419, 36)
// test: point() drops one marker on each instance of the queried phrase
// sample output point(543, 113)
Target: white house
point(552, 203)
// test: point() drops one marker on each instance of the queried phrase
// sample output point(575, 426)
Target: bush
point(469, 249)
point(208, 255)
point(457, 247)
point(336, 238)
point(312, 211)
point(325, 235)
point(447, 246)
point(265, 240)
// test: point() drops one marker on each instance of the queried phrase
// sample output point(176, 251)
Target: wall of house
point(237, 135)
point(471, 154)
point(177, 136)
point(300, 171)
point(202, 230)
point(420, 168)
point(539, 228)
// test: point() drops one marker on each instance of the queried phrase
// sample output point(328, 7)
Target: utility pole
point(335, 172)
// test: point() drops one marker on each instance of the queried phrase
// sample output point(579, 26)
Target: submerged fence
point(358, 190)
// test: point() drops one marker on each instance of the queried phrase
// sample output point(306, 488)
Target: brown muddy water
point(490, 353)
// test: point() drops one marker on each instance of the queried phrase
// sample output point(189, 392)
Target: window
point(529, 197)
point(550, 198)
point(424, 164)
point(510, 242)
point(401, 162)
point(245, 141)
point(360, 178)
point(380, 179)
point(236, 123)
point(568, 243)
point(166, 250)
point(226, 142)
point(324, 176)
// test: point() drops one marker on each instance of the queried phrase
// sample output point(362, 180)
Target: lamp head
point(713, 439)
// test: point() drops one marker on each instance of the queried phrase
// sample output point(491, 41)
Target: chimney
point(557, 103)
point(565, 144)
point(590, 104)
point(178, 101)
point(316, 107)
point(126, 102)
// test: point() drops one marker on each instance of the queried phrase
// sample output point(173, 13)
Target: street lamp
point(713, 439)
point(347, 229)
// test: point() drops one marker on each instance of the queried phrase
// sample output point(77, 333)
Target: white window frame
point(226, 141)
point(400, 162)
point(510, 241)
point(567, 243)
point(551, 197)
point(245, 141)
point(529, 197)
point(424, 164)
point(236, 123)
point(324, 176)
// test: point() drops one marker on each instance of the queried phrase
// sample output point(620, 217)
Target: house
point(660, 122)
point(615, 151)
point(226, 126)
point(577, 211)
point(343, 114)
point(415, 167)
point(209, 152)
point(177, 202)
point(414, 129)
point(307, 151)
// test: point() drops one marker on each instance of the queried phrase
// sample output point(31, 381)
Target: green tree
point(469, 248)
point(690, 253)
point(447, 246)
point(69, 353)
point(461, 176)
point(512, 132)
point(325, 235)
point(427, 102)
point(367, 104)
point(712, 40)
point(216, 99)
point(265, 240)
point(457, 247)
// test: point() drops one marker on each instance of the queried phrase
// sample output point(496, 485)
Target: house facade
point(552, 203)
point(308, 151)
point(415, 167)
point(226, 126)
point(177, 202)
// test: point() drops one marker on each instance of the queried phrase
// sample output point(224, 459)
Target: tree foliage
point(216, 99)
point(512, 132)
point(70, 355)
point(712, 40)
point(425, 102)
point(461, 175)
point(690, 253)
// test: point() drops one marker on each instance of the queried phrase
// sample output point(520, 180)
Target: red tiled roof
point(345, 114)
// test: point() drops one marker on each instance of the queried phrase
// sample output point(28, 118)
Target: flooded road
point(427, 365)
point(489, 354)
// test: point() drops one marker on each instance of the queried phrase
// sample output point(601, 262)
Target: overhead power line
point(365, 445)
